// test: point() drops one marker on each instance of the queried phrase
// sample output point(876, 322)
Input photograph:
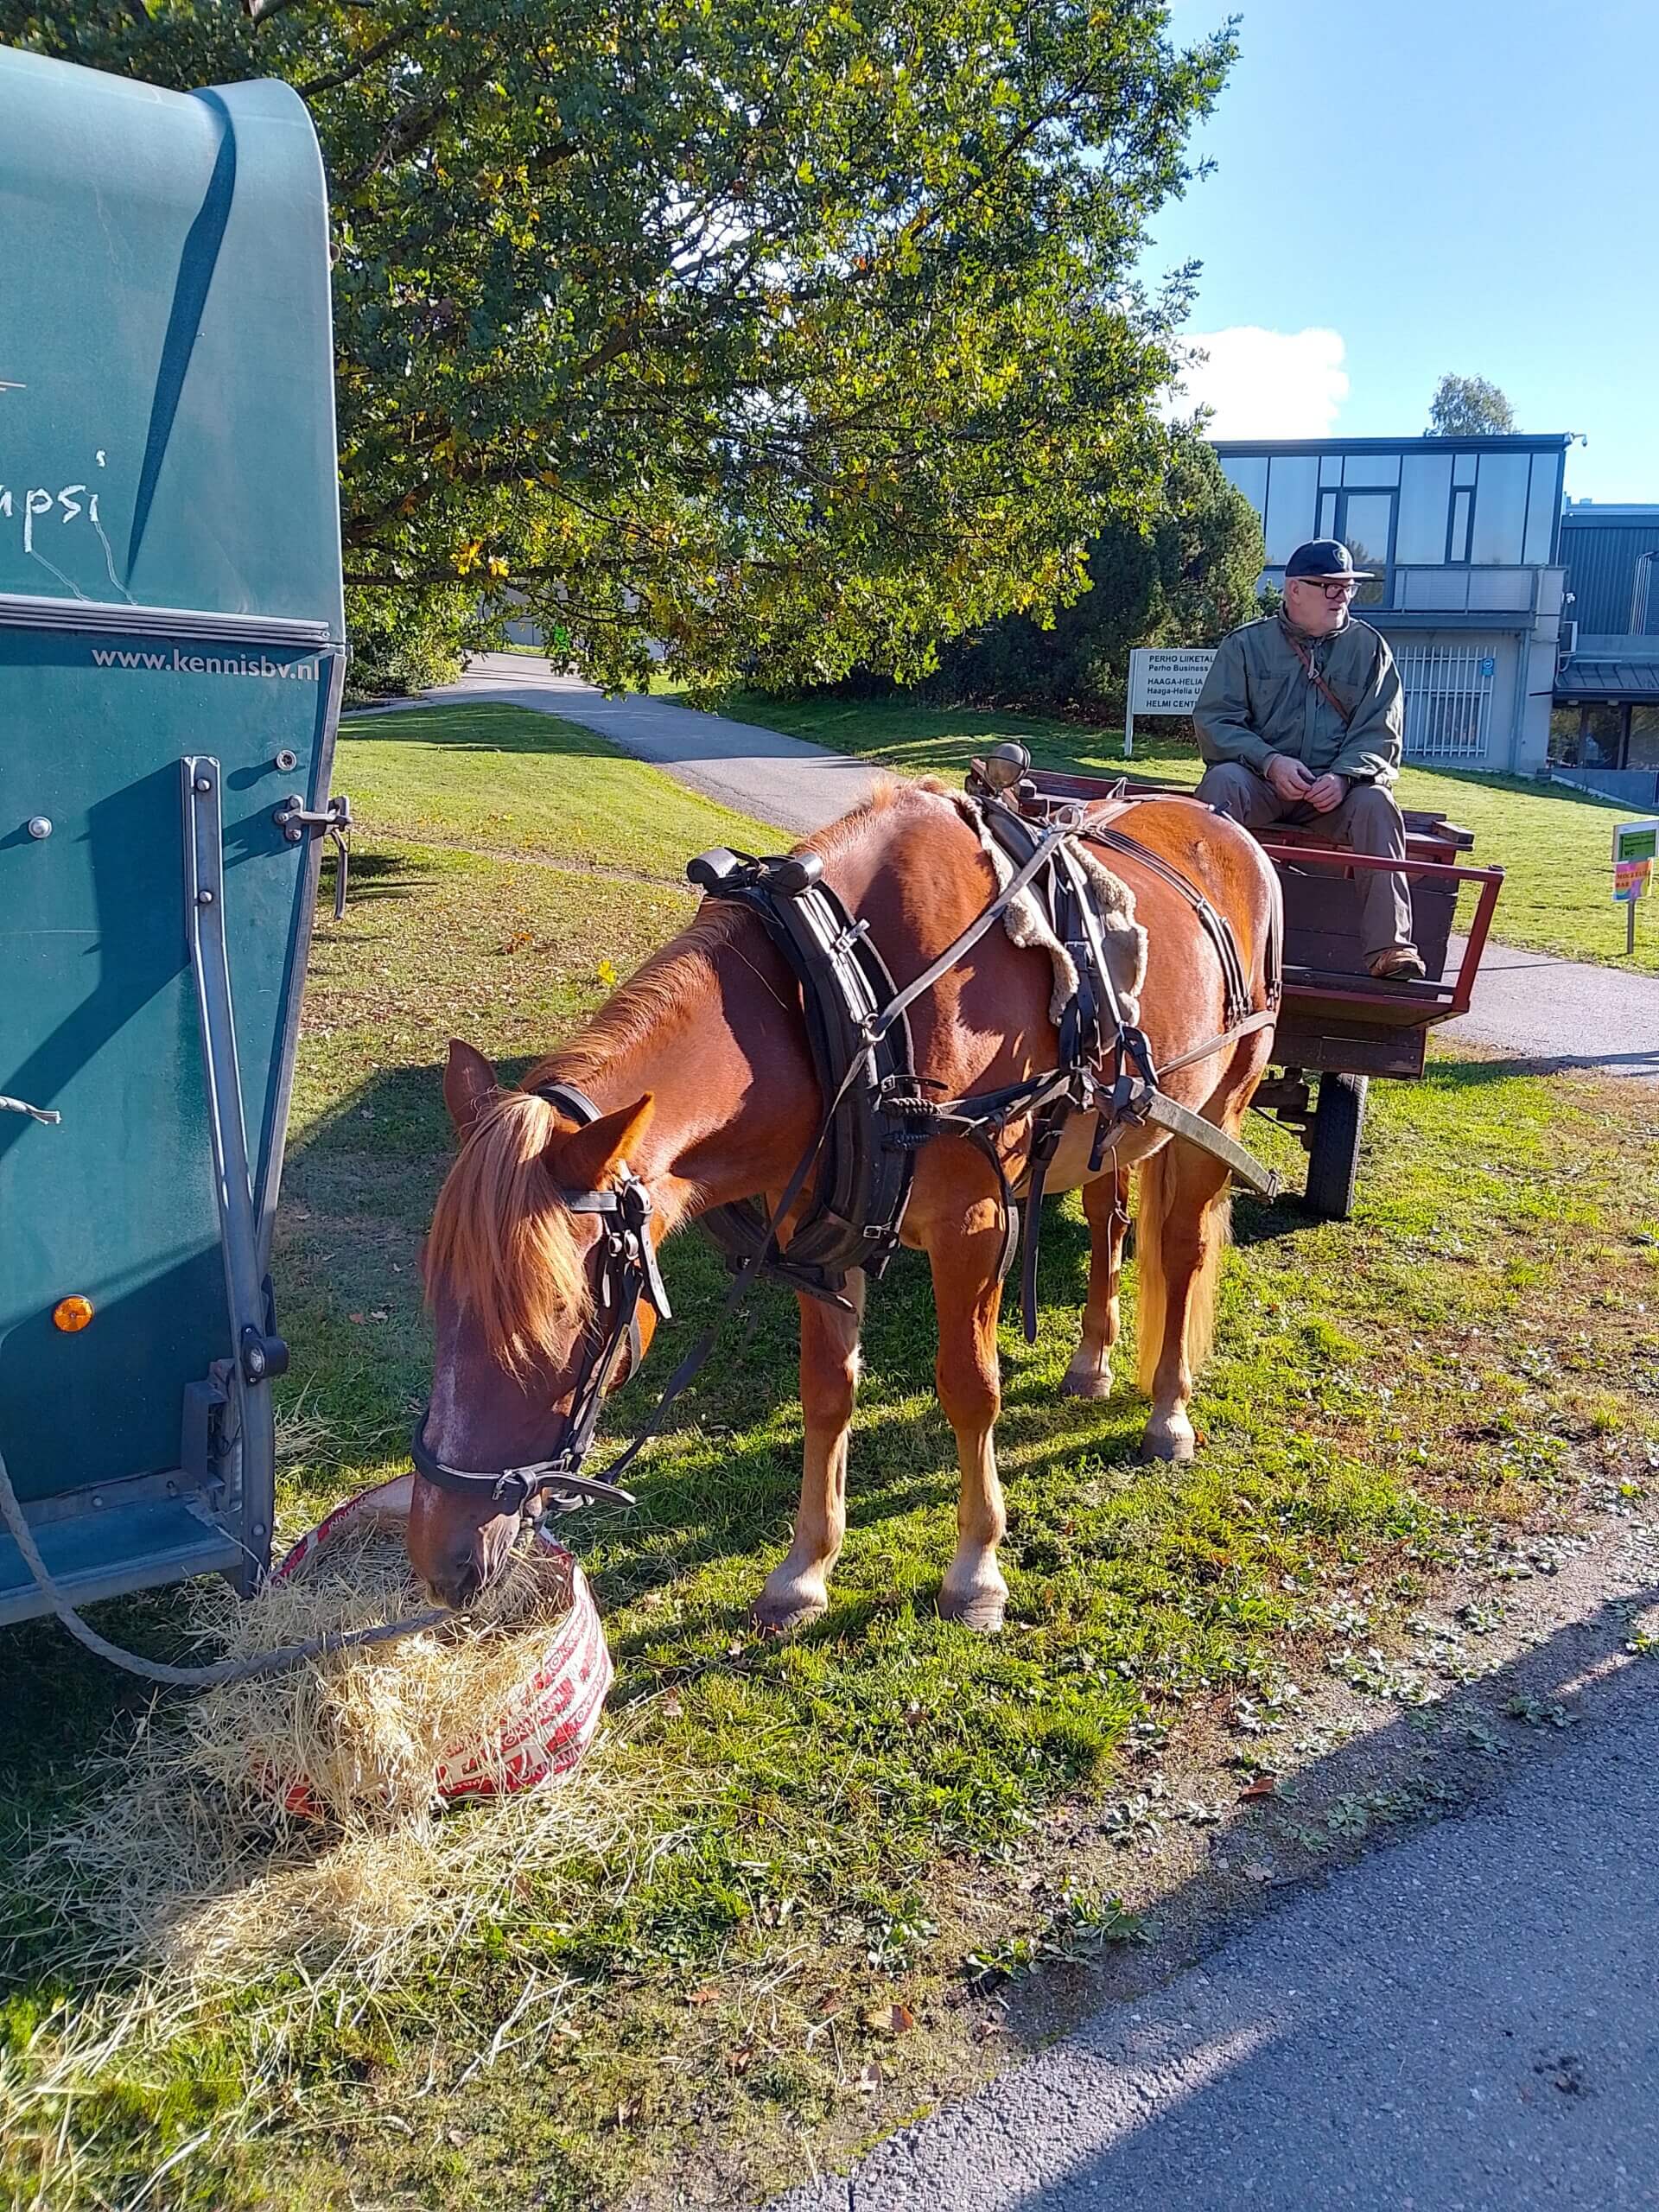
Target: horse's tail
point(1159, 1198)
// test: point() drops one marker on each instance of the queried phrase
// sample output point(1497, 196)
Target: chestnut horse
point(701, 1067)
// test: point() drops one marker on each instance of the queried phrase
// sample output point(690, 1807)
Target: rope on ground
point(190, 1678)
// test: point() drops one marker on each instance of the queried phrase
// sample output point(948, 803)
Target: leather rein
point(875, 1120)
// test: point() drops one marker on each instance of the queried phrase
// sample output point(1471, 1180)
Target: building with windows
point(1604, 731)
point(1465, 537)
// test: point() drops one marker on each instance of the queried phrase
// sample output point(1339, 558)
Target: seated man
point(1301, 719)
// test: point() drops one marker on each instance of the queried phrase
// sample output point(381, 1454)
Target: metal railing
point(1448, 701)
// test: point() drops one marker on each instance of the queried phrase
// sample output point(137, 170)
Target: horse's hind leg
point(1106, 1206)
point(800, 1589)
point(968, 1296)
point(1180, 1237)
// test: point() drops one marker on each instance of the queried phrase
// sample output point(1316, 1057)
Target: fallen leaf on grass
point(739, 2061)
point(1263, 1786)
point(903, 2019)
point(703, 1996)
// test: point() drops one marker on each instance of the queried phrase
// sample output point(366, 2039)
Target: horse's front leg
point(798, 1590)
point(1106, 1206)
point(967, 1296)
point(1180, 1239)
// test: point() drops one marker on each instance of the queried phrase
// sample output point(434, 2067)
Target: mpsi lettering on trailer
point(179, 663)
point(35, 504)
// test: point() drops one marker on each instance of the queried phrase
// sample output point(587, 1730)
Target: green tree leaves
point(1184, 576)
point(1466, 407)
point(791, 339)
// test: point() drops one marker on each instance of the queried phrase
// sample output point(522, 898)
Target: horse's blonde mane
point(502, 1239)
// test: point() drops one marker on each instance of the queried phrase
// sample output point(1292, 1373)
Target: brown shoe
point(1403, 964)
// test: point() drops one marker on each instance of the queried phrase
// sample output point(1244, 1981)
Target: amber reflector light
point(72, 1314)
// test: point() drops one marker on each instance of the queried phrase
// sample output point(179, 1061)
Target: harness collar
point(629, 1270)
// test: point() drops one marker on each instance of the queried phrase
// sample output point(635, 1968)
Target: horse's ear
point(587, 1160)
point(469, 1085)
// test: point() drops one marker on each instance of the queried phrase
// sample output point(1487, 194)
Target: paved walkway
point(1552, 1013)
point(1548, 1013)
point(780, 779)
point(1465, 2023)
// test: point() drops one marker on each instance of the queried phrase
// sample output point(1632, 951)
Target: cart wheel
point(1333, 1145)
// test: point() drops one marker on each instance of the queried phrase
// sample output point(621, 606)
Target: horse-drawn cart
point(171, 651)
point(1338, 1025)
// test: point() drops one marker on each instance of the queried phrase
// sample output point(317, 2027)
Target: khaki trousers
point(1368, 821)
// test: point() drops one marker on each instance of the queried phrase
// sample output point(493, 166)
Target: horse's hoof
point(791, 1606)
point(1084, 1380)
point(1169, 1440)
point(979, 1605)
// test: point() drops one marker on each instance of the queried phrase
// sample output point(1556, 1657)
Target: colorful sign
point(1635, 844)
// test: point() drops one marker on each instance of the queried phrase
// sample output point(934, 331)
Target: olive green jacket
point(1258, 699)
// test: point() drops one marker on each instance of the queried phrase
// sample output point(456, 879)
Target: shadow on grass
point(381, 875)
point(1640, 1064)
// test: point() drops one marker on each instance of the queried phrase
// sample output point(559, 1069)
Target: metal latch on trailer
point(334, 822)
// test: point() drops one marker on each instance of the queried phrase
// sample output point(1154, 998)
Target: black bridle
point(628, 1272)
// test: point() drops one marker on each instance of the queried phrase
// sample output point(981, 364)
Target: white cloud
point(1265, 383)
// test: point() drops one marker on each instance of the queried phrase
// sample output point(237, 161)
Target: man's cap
point(1324, 559)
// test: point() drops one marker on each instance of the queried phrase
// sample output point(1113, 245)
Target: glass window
point(1463, 503)
point(1371, 468)
point(1643, 751)
point(1293, 489)
point(1329, 502)
point(1604, 732)
point(1329, 468)
point(1463, 469)
point(1564, 735)
point(1248, 472)
point(1425, 487)
point(1367, 526)
point(1543, 504)
point(1500, 508)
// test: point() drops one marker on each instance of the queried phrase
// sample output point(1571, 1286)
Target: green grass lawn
point(509, 780)
point(837, 1823)
point(1553, 844)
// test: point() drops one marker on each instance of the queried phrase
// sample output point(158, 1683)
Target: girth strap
point(1236, 984)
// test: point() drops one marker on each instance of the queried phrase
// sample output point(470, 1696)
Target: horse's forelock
point(503, 1241)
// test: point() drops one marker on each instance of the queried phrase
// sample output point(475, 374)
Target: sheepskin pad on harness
point(1123, 937)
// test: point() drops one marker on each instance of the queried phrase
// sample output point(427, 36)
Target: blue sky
point(1408, 188)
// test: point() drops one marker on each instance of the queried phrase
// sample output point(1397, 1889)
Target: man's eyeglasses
point(1332, 591)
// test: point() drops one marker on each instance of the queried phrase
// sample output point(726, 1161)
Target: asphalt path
point(758, 771)
point(1552, 1013)
point(1468, 2022)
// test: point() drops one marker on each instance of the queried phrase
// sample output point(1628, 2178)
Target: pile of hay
point(365, 1731)
point(199, 1860)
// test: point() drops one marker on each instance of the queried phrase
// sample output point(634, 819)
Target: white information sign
point(1163, 680)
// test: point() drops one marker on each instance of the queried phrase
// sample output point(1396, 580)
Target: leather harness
point(856, 1173)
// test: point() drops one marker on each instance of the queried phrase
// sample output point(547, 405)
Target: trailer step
point(104, 1555)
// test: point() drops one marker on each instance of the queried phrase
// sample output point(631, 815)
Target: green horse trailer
point(171, 657)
